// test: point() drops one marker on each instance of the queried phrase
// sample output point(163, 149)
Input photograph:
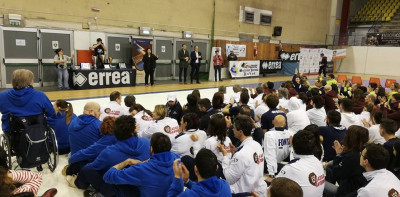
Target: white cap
point(171, 97)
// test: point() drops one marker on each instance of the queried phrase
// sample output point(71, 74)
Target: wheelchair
point(31, 141)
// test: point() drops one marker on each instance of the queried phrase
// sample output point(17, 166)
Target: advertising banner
point(239, 50)
point(244, 68)
point(270, 66)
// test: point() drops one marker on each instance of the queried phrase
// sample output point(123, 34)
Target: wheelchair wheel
point(5, 144)
point(52, 149)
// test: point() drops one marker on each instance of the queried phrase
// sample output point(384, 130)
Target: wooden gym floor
point(140, 89)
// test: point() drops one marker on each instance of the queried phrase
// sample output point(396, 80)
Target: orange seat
point(389, 82)
point(341, 78)
point(357, 80)
point(375, 80)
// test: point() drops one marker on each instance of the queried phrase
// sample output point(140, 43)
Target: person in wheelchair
point(23, 100)
point(60, 123)
point(27, 135)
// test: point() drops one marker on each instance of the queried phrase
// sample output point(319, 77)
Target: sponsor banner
point(239, 50)
point(92, 79)
point(244, 68)
point(270, 66)
point(138, 51)
point(339, 54)
point(388, 38)
point(309, 59)
point(289, 56)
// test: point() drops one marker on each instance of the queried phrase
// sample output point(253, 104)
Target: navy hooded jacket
point(153, 177)
point(83, 132)
point(60, 127)
point(211, 187)
point(23, 102)
point(134, 147)
point(90, 153)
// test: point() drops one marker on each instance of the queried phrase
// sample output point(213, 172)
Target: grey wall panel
point(125, 53)
point(47, 41)
point(168, 53)
point(177, 72)
point(10, 70)
point(49, 74)
point(29, 51)
point(163, 71)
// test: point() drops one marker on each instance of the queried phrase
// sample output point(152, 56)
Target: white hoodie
point(297, 118)
point(349, 119)
point(317, 116)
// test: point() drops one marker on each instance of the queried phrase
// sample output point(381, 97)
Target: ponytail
point(67, 108)
point(69, 113)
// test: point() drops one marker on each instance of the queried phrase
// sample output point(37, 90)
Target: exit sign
point(15, 22)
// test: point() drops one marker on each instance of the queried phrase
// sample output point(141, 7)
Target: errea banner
point(289, 56)
point(244, 68)
point(91, 79)
point(270, 66)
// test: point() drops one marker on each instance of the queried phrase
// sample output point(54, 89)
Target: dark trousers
point(128, 190)
point(194, 72)
point(75, 168)
point(89, 176)
point(322, 69)
point(184, 74)
point(149, 72)
point(217, 69)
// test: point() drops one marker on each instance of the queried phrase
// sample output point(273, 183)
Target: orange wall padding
point(84, 56)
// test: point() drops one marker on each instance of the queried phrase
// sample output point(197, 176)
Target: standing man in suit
point(195, 60)
point(183, 56)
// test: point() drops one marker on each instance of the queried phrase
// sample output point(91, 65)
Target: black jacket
point(348, 172)
point(205, 118)
point(149, 62)
point(175, 111)
point(193, 58)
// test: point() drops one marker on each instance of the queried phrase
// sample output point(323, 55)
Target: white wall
point(372, 60)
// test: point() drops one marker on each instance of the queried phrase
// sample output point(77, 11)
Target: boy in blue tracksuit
point(127, 146)
point(88, 155)
point(85, 129)
point(153, 177)
point(23, 100)
point(208, 186)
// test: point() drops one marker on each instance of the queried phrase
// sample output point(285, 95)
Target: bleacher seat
point(375, 80)
point(341, 78)
point(356, 80)
point(389, 82)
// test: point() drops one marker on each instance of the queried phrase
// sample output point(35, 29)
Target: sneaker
point(64, 170)
point(91, 193)
point(50, 193)
point(60, 88)
point(67, 88)
point(71, 180)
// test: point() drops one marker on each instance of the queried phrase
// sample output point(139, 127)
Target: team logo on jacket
point(107, 110)
point(393, 193)
point(316, 181)
point(258, 158)
point(167, 129)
